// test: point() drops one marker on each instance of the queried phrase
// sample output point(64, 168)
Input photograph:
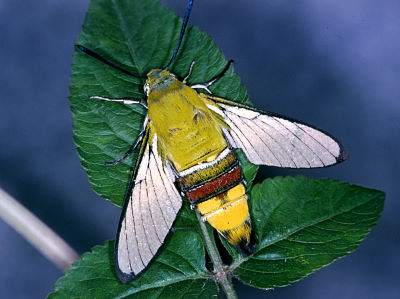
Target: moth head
point(158, 79)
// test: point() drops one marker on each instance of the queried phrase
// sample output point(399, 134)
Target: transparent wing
point(148, 214)
point(269, 139)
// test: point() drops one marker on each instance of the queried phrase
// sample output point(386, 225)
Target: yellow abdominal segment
point(229, 214)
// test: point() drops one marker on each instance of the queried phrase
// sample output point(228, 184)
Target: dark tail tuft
point(247, 248)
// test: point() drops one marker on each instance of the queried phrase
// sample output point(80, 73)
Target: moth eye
point(146, 88)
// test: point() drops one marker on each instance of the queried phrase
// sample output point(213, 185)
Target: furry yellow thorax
point(188, 132)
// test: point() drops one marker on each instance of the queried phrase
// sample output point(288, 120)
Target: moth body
point(207, 171)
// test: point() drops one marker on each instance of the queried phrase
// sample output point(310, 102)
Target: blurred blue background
point(333, 64)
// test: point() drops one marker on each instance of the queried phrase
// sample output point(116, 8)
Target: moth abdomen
point(218, 192)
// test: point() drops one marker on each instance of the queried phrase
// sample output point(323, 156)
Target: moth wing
point(148, 214)
point(270, 139)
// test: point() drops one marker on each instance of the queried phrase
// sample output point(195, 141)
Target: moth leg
point(127, 101)
point(132, 147)
point(189, 72)
point(213, 80)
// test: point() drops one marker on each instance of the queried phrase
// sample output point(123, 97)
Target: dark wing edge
point(291, 143)
point(150, 208)
point(124, 277)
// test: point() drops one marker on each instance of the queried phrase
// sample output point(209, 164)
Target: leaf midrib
point(128, 43)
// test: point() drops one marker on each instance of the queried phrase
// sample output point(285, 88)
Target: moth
point(191, 155)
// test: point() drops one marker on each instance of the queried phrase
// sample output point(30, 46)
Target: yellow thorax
point(188, 132)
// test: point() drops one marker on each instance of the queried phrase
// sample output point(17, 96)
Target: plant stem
point(219, 270)
point(36, 232)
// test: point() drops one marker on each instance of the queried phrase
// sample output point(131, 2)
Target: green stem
point(220, 272)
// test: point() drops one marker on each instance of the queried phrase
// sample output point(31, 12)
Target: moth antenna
point(184, 24)
point(106, 61)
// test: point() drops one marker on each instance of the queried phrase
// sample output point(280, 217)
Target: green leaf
point(304, 224)
point(249, 170)
point(175, 268)
point(138, 36)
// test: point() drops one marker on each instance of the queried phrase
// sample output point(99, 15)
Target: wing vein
point(259, 137)
point(163, 181)
point(149, 209)
point(277, 142)
point(302, 141)
point(127, 247)
point(244, 136)
point(168, 191)
point(322, 145)
point(159, 206)
point(134, 223)
point(142, 225)
point(291, 142)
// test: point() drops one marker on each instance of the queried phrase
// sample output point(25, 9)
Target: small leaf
point(304, 224)
point(186, 218)
point(176, 270)
point(138, 36)
point(249, 170)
